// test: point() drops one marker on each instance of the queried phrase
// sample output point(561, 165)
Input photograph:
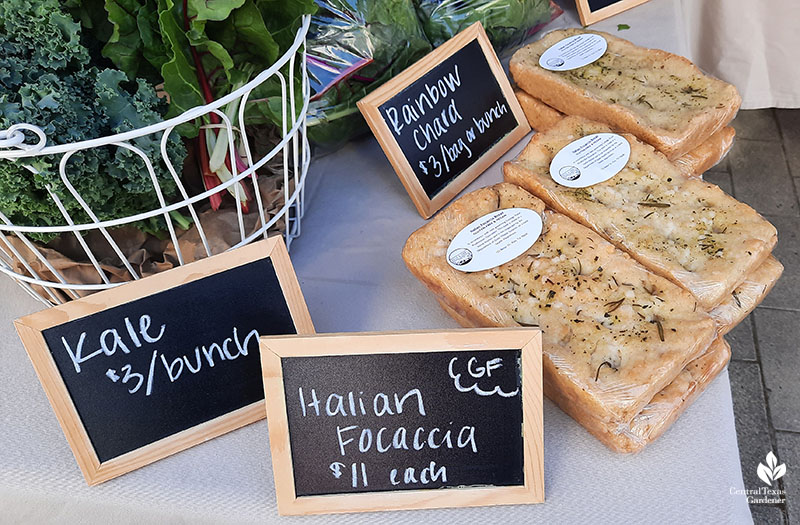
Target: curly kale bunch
point(46, 79)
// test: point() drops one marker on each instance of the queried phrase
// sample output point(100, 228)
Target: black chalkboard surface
point(449, 117)
point(159, 364)
point(463, 438)
point(446, 119)
point(596, 5)
point(393, 422)
point(196, 360)
point(591, 11)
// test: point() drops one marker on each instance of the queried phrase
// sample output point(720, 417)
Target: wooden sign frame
point(369, 107)
point(588, 16)
point(30, 330)
point(528, 340)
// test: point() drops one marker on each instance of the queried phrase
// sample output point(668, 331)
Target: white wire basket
point(292, 151)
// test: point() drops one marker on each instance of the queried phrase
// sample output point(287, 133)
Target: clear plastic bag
point(745, 297)
point(353, 47)
point(672, 401)
point(609, 345)
point(682, 228)
point(663, 409)
point(507, 22)
point(708, 154)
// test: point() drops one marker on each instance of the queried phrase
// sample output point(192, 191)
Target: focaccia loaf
point(662, 411)
point(661, 98)
point(682, 228)
point(540, 116)
point(708, 154)
point(658, 415)
point(745, 297)
point(614, 333)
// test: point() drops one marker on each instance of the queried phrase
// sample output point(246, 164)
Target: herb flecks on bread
point(682, 228)
point(614, 333)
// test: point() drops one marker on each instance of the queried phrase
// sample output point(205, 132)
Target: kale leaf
point(46, 80)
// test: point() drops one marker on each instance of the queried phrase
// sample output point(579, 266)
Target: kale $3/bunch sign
point(155, 366)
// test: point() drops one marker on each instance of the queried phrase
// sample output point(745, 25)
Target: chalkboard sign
point(431, 123)
point(155, 366)
point(362, 422)
point(591, 11)
point(445, 119)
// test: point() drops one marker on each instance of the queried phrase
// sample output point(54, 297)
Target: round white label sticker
point(494, 239)
point(590, 159)
point(573, 52)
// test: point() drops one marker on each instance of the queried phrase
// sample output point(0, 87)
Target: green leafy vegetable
point(622, 27)
point(186, 44)
point(202, 50)
point(46, 80)
point(177, 71)
point(354, 46)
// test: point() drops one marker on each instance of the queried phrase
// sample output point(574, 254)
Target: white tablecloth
point(350, 269)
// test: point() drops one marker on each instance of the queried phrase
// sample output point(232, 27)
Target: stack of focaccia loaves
point(661, 98)
point(633, 280)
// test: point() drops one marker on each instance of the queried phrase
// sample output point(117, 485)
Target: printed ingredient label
point(494, 239)
point(590, 160)
point(573, 52)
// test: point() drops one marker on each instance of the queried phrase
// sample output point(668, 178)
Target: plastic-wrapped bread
point(614, 333)
point(708, 154)
point(661, 98)
point(671, 402)
point(662, 411)
point(725, 323)
point(658, 415)
point(682, 228)
point(745, 297)
point(540, 116)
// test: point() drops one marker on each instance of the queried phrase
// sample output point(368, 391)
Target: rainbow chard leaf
point(134, 45)
point(202, 50)
point(125, 44)
point(180, 76)
point(213, 9)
